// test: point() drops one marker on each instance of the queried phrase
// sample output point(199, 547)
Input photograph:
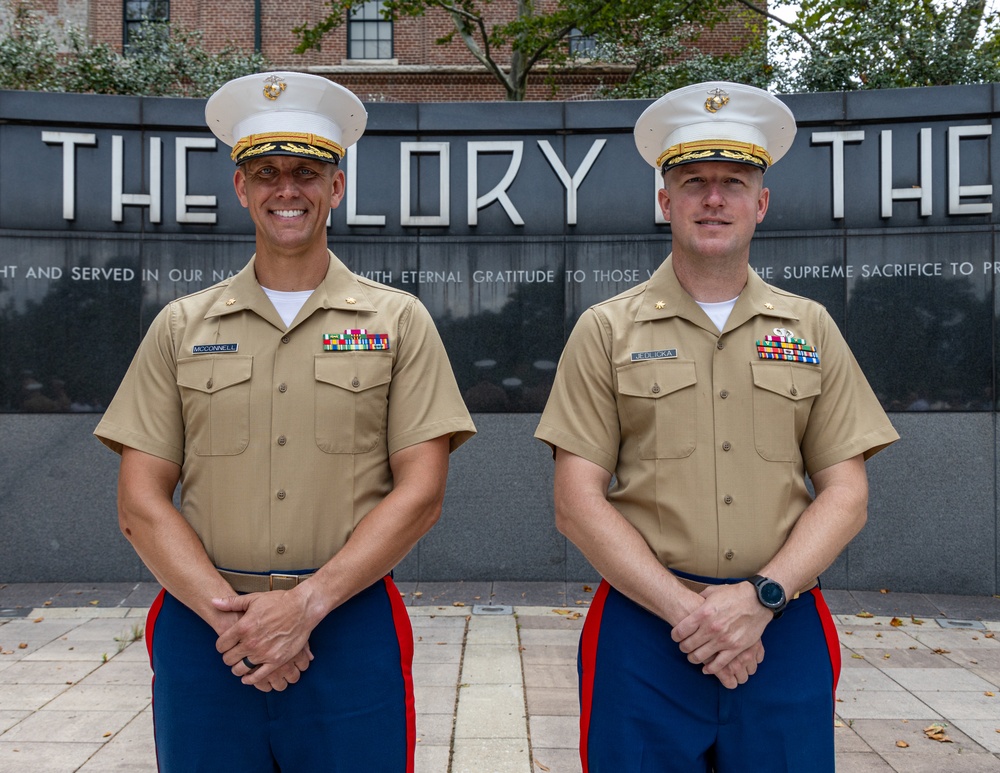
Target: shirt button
point(720, 345)
point(730, 555)
point(282, 387)
point(728, 500)
point(794, 390)
point(208, 384)
point(656, 389)
point(280, 549)
point(727, 446)
point(724, 394)
point(281, 493)
point(355, 382)
point(281, 440)
point(285, 339)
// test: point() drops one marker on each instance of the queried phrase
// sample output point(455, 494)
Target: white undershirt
point(718, 312)
point(287, 304)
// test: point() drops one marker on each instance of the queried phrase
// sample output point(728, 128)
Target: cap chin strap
point(715, 150)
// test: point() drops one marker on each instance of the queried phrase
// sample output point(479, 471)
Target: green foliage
point(842, 45)
point(511, 48)
point(664, 60)
point(161, 61)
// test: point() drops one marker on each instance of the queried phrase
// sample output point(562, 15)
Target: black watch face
point(771, 594)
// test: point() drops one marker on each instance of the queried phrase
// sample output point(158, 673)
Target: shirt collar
point(664, 297)
point(340, 289)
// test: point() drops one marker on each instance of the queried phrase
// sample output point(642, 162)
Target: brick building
point(379, 60)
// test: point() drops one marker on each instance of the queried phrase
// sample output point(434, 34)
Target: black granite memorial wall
point(508, 220)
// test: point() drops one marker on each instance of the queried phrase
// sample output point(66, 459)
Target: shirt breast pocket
point(783, 395)
point(352, 397)
point(215, 393)
point(659, 399)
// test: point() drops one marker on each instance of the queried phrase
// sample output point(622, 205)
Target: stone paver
point(494, 693)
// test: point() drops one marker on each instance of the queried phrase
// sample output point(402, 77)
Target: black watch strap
point(770, 594)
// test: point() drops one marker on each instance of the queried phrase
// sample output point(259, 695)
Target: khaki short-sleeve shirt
point(284, 446)
point(709, 444)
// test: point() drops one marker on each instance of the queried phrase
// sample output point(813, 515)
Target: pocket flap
point(210, 374)
point(791, 380)
point(656, 379)
point(354, 371)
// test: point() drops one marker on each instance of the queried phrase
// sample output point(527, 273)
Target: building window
point(583, 46)
point(138, 12)
point(369, 32)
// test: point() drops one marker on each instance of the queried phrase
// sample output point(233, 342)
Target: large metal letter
point(353, 218)
point(499, 193)
point(120, 200)
point(69, 141)
point(837, 139)
point(955, 189)
point(571, 184)
point(181, 146)
point(443, 150)
point(921, 192)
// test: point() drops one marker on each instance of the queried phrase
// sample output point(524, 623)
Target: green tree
point(162, 60)
point(843, 45)
point(511, 49)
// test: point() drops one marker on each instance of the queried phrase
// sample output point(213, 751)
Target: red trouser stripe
point(832, 640)
point(404, 634)
point(154, 611)
point(588, 664)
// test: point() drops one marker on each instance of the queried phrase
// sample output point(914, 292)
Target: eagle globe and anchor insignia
point(717, 99)
point(273, 86)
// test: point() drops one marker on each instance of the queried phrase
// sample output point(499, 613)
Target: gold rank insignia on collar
point(660, 305)
point(352, 301)
point(769, 306)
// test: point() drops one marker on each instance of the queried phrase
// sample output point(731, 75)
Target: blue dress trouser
point(352, 710)
point(646, 709)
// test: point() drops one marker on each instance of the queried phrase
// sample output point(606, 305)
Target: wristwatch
point(770, 594)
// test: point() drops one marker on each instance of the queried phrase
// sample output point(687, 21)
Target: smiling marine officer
point(685, 416)
point(308, 415)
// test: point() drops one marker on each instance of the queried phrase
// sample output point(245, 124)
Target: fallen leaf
point(886, 656)
point(838, 723)
point(936, 733)
point(477, 598)
point(47, 604)
point(878, 636)
point(38, 619)
point(940, 651)
point(95, 603)
point(587, 589)
point(864, 614)
point(561, 611)
point(912, 648)
point(990, 635)
point(896, 622)
point(541, 766)
point(856, 656)
point(23, 645)
point(848, 633)
point(916, 621)
point(988, 694)
point(902, 744)
point(418, 593)
point(883, 590)
point(107, 735)
point(6, 652)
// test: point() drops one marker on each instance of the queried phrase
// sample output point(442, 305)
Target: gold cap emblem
point(717, 99)
point(273, 86)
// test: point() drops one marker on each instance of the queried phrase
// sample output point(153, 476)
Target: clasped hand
point(272, 633)
point(723, 633)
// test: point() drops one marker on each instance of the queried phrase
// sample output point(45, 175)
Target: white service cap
point(286, 113)
point(715, 121)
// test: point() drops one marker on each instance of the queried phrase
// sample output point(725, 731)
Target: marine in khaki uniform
point(308, 415)
point(685, 416)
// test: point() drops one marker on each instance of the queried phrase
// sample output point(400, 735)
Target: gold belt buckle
point(291, 579)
